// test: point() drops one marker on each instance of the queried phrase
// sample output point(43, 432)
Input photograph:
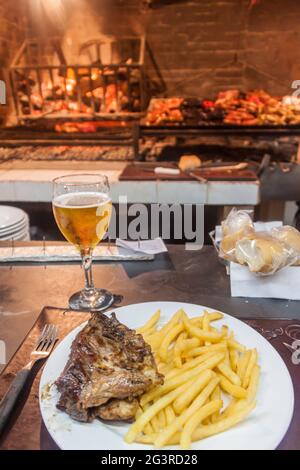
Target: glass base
point(93, 300)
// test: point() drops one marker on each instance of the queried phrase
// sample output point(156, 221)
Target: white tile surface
point(36, 186)
point(233, 193)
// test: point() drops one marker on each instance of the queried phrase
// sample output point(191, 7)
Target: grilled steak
point(109, 365)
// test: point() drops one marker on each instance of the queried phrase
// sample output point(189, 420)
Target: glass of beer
point(82, 209)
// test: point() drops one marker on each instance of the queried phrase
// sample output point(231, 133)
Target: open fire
point(95, 88)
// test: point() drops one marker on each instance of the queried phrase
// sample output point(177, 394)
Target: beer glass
point(82, 209)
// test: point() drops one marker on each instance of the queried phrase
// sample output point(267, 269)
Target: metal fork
point(42, 350)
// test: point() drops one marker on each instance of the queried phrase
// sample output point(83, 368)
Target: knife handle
point(10, 399)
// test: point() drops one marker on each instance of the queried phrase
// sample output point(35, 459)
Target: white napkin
point(150, 247)
point(284, 284)
point(259, 227)
point(61, 253)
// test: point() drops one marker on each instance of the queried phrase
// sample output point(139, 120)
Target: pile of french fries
point(210, 382)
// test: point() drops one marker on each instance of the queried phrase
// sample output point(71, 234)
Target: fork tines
point(47, 338)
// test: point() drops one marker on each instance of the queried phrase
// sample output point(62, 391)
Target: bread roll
point(262, 253)
point(189, 162)
point(291, 237)
point(236, 221)
point(228, 243)
point(237, 225)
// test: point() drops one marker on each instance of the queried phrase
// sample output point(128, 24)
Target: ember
point(96, 89)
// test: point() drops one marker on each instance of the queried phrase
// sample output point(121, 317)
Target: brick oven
point(82, 72)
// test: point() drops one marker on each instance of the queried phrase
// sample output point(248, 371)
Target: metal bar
point(28, 91)
point(141, 87)
point(19, 54)
point(78, 89)
point(50, 70)
point(142, 50)
point(143, 97)
point(117, 92)
point(12, 79)
point(65, 85)
point(98, 53)
point(92, 91)
point(103, 105)
point(38, 74)
point(129, 88)
point(56, 67)
point(123, 116)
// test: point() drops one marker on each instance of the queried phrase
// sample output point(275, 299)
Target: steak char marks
point(109, 366)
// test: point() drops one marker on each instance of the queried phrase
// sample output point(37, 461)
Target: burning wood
point(42, 90)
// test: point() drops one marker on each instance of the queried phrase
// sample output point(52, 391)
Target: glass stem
point(87, 266)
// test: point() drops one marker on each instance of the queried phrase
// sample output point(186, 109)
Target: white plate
point(17, 235)
point(14, 228)
point(10, 216)
point(263, 429)
point(10, 233)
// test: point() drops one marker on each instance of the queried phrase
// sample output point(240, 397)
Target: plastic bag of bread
point(236, 226)
point(264, 254)
point(291, 237)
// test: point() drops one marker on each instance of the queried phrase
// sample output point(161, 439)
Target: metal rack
point(44, 85)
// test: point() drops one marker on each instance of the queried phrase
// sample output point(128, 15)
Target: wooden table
point(187, 276)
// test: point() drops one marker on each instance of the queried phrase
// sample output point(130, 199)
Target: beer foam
point(80, 200)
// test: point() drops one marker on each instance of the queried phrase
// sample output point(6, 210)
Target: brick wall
point(202, 46)
point(13, 27)
point(195, 44)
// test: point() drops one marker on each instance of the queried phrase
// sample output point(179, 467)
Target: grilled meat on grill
point(108, 367)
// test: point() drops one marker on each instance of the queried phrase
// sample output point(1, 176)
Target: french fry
point(181, 378)
point(216, 395)
point(234, 358)
point(204, 349)
point(223, 425)
point(235, 345)
point(161, 419)
point(211, 429)
point(147, 439)
point(211, 336)
point(228, 373)
point(253, 383)
point(178, 348)
point(164, 437)
point(160, 404)
point(170, 336)
point(198, 360)
point(189, 365)
point(205, 325)
point(233, 390)
point(196, 419)
point(170, 415)
point(242, 364)
point(248, 371)
point(157, 338)
point(212, 316)
point(154, 423)
point(190, 343)
point(185, 400)
point(150, 323)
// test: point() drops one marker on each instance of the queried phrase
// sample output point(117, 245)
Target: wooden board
point(145, 172)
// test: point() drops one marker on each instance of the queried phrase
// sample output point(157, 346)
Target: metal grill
point(44, 85)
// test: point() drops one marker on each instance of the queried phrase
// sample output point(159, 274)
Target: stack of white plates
point(14, 224)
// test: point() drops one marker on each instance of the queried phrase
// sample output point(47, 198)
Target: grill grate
point(45, 86)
